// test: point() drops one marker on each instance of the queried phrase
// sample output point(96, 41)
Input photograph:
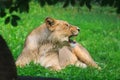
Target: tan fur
point(84, 56)
point(48, 46)
point(67, 57)
point(32, 43)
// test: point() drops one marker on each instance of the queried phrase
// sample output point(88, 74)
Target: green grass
point(100, 34)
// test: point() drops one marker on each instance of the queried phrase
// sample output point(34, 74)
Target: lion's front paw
point(22, 63)
point(80, 64)
point(55, 68)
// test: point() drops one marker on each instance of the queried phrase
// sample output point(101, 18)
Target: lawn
point(100, 35)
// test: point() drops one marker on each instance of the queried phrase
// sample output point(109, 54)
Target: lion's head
point(60, 30)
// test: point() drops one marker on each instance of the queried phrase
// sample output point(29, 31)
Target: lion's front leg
point(26, 57)
point(48, 59)
point(23, 58)
point(83, 55)
point(66, 57)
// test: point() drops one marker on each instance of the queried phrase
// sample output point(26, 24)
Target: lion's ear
point(49, 21)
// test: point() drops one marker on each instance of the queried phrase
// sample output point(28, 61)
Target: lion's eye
point(67, 25)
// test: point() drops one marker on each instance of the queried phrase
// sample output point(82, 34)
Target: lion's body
point(48, 45)
point(31, 48)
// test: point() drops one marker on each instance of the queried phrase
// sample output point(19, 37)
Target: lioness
point(50, 45)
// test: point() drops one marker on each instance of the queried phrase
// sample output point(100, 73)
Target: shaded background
point(21, 6)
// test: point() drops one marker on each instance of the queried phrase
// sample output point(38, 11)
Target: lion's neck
point(43, 35)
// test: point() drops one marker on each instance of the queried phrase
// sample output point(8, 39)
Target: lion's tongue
point(72, 43)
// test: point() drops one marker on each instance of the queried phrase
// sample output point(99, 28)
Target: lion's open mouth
point(71, 39)
point(72, 42)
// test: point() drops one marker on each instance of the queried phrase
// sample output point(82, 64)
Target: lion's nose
point(78, 29)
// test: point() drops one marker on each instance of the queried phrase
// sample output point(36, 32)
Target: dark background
point(21, 6)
